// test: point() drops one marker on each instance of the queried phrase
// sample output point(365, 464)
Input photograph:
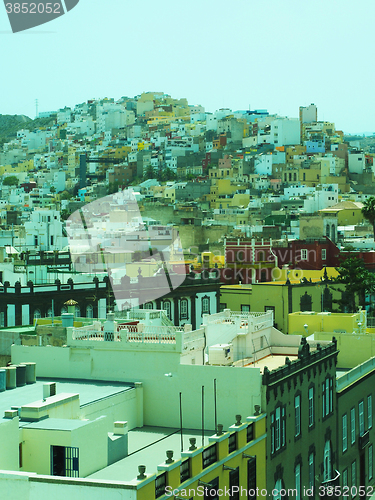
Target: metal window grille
point(209, 456)
point(71, 461)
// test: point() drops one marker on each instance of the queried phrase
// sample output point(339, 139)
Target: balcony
point(327, 487)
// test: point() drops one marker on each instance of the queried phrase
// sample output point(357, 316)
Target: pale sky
point(267, 54)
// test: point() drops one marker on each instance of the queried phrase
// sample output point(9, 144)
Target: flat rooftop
point(89, 392)
point(272, 362)
point(148, 446)
point(57, 424)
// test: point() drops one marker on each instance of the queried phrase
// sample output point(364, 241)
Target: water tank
point(30, 372)
point(10, 377)
point(20, 375)
point(3, 379)
point(67, 320)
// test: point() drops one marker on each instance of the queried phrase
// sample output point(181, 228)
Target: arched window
point(167, 308)
point(327, 471)
point(306, 302)
point(333, 233)
point(64, 310)
point(183, 309)
point(77, 312)
point(89, 311)
point(278, 492)
point(148, 305)
point(205, 305)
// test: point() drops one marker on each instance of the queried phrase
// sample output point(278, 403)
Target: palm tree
point(368, 211)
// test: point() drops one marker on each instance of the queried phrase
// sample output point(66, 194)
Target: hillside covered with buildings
point(186, 304)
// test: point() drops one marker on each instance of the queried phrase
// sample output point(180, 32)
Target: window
point(64, 461)
point(278, 429)
point(183, 309)
point(211, 493)
point(354, 479)
point(345, 480)
point(361, 418)
point(344, 432)
point(205, 305)
point(251, 477)
point(89, 311)
point(250, 432)
point(234, 481)
point(209, 455)
point(297, 474)
point(184, 470)
point(167, 308)
point(297, 415)
point(160, 484)
point(148, 305)
point(223, 306)
point(327, 390)
point(232, 442)
point(370, 456)
point(304, 254)
point(311, 471)
point(352, 425)
point(324, 254)
point(369, 412)
point(278, 490)
point(245, 308)
point(311, 406)
point(327, 461)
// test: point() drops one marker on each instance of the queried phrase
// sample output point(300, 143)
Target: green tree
point(12, 180)
point(113, 187)
point(368, 211)
point(358, 282)
point(149, 173)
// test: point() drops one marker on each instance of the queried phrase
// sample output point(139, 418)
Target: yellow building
point(347, 212)
point(280, 297)
point(233, 460)
point(310, 322)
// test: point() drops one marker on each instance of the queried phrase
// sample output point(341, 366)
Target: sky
point(271, 54)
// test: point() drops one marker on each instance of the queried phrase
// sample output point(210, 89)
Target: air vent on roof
point(49, 389)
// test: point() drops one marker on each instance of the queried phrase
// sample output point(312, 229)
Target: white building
point(285, 132)
point(356, 162)
point(44, 230)
point(308, 114)
point(263, 164)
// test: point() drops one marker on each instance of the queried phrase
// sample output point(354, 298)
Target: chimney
point(120, 428)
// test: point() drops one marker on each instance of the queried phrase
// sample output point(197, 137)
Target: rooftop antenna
point(36, 108)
